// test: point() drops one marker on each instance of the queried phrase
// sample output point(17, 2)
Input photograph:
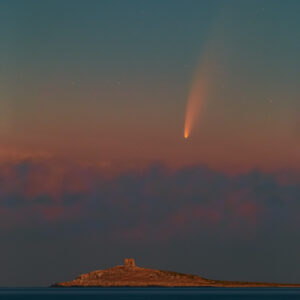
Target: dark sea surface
point(149, 293)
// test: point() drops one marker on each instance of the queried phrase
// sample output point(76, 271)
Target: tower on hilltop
point(129, 262)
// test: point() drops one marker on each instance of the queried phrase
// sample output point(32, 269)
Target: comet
point(195, 103)
point(201, 87)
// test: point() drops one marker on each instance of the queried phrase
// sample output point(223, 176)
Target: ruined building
point(129, 262)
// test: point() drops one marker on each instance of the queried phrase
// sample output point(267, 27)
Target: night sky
point(94, 166)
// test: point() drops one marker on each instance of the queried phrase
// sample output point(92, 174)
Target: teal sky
point(93, 102)
point(116, 74)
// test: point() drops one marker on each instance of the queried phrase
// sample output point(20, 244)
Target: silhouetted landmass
point(130, 275)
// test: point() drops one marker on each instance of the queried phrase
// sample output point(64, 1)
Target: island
point(131, 275)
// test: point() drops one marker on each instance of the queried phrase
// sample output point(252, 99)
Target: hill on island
point(131, 275)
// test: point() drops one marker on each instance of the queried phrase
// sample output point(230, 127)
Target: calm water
point(150, 293)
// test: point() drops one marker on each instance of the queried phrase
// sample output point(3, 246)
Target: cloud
point(69, 217)
point(156, 202)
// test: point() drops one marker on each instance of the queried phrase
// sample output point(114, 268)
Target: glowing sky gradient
point(76, 87)
point(95, 99)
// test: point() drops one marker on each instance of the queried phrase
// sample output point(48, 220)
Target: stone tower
point(129, 262)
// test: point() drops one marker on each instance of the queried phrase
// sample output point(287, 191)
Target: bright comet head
point(186, 134)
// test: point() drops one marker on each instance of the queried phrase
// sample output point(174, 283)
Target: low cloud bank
point(64, 217)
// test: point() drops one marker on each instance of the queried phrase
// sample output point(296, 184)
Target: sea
point(150, 293)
